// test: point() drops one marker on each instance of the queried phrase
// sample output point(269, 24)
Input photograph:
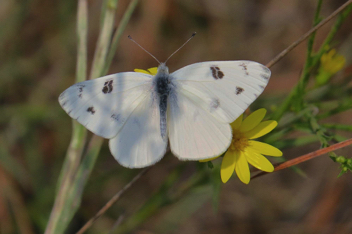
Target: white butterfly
point(191, 107)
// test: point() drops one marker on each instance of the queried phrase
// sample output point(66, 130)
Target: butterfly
point(191, 108)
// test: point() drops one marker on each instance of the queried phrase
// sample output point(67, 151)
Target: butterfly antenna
point(193, 34)
point(129, 37)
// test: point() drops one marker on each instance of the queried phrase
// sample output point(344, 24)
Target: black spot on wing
point(220, 74)
point(108, 87)
point(80, 89)
point(216, 72)
point(115, 117)
point(213, 72)
point(91, 110)
point(244, 68)
point(105, 89)
point(239, 90)
point(265, 69)
point(265, 76)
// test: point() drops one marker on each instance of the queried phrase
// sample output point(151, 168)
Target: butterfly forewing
point(103, 105)
point(223, 88)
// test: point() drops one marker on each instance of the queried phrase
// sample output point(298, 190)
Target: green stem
point(307, 67)
point(104, 40)
point(70, 200)
point(79, 133)
point(340, 19)
point(296, 91)
point(343, 106)
point(297, 142)
point(100, 60)
point(74, 195)
point(117, 35)
point(338, 127)
point(320, 132)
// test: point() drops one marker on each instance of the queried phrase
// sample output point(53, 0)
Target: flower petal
point(264, 148)
point(209, 159)
point(258, 161)
point(242, 169)
point(141, 71)
point(228, 165)
point(237, 123)
point(261, 129)
point(153, 70)
point(252, 120)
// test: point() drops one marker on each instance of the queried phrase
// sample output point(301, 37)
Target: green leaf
point(210, 165)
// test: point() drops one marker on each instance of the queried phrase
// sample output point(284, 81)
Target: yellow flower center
point(239, 141)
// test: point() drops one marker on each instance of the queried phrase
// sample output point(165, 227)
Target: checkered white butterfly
point(191, 107)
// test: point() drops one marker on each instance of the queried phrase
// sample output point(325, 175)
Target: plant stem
point(79, 133)
point(307, 157)
point(117, 35)
point(305, 36)
point(104, 40)
point(307, 66)
point(70, 200)
point(338, 126)
point(287, 102)
point(111, 202)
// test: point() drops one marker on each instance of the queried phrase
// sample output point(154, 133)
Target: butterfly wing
point(194, 133)
point(206, 98)
point(139, 143)
point(104, 105)
point(223, 88)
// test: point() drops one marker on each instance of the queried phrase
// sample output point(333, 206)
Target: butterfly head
point(163, 69)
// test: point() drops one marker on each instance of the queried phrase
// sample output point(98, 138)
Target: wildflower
point(330, 63)
point(151, 71)
point(243, 149)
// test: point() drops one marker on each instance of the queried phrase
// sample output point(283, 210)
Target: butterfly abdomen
point(162, 88)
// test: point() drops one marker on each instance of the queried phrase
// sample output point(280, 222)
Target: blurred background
point(37, 63)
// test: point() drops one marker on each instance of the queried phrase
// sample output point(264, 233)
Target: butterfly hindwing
point(194, 133)
point(103, 105)
point(139, 143)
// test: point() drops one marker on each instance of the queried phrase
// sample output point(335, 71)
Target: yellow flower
point(243, 149)
point(330, 63)
point(150, 71)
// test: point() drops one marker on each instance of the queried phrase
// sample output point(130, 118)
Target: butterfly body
point(191, 108)
point(163, 86)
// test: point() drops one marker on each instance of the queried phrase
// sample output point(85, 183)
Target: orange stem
point(307, 157)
